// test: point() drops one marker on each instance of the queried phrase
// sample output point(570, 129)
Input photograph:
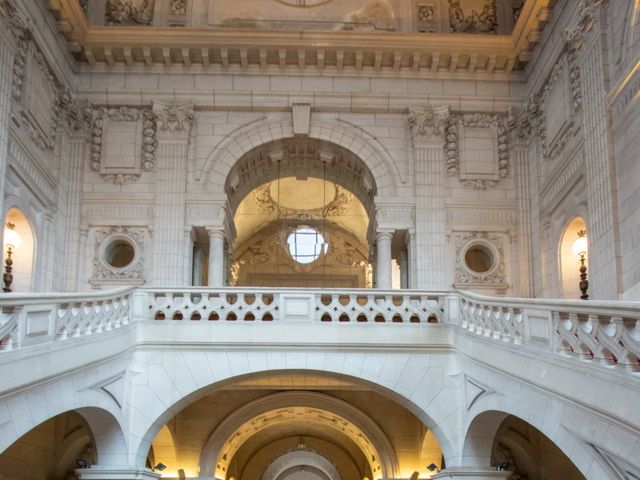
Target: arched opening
point(20, 245)
point(569, 260)
point(529, 454)
point(52, 450)
point(301, 210)
point(240, 428)
point(499, 440)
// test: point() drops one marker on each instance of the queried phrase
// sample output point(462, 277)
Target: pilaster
point(171, 267)
point(586, 40)
point(427, 124)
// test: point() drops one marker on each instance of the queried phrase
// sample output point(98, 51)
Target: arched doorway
point(302, 212)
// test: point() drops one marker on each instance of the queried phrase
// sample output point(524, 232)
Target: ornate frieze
point(133, 130)
point(395, 216)
point(129, 12)
point(483, 21)
point(110, 265)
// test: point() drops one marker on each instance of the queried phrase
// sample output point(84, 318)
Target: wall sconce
point(160, 467)
point(433, 467)
point(580, 248)
point(11, 242)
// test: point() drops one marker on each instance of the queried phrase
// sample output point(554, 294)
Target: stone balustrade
point(604, 333)
point(295, 305)
point(31, 319)
point(607, 333)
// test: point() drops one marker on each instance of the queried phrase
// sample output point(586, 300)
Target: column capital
point(107, 472)
point(428, 122)
point(384, 234)
point(471, 473)
point(172, 118)
point(215, 232)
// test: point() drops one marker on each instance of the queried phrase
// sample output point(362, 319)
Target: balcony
point(602, 334)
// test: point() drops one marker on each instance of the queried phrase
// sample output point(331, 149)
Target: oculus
point(119, 253)
point(306, 244)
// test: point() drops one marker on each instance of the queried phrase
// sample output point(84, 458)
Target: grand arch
point(188, 376)
point(216, 168)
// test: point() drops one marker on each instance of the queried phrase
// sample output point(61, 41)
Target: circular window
point(306, 244)
point(119, 253)
point(479, 258)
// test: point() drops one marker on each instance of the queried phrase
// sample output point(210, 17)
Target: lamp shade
point(580, 246)
point(11, 238)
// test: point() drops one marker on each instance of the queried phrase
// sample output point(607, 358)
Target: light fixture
point(580, 248)
point(503, 466)
point(11, 242)
point(82, 463)
point(160, 467)
point(433, 467)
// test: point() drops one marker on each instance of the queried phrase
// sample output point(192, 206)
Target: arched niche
point(23, 255)
point(568, 261)
point(306, 460)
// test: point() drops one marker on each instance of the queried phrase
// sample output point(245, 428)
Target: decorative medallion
point(304, 3)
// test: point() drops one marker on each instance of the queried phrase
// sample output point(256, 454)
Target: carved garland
point(129, 12)
point(338, 206)
point(149, 140)
point(484, 21)
point(452, 146)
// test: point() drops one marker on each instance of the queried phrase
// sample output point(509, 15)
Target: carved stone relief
point(84, 4)
point(338, 206)
point(375, 15)
point(132, 273)
point(427, 121)
point(143, 159)
point(476, 21)
point(172, 117)
point(178, 7)
point(461, 129)
point(493, 276)
point(129, 12)
point(426, 20)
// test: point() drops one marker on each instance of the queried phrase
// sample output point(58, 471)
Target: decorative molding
point(93, 212)
point(484, 21)
point(575, 35)
point(480, 216)
point(103, 273)
point(428, 122)
point(172, 117)
point(149, 141)
point(75, 114)
point(337, 207)
point(495, 276)
point(178, 7)
point(560, 179)
point(129, 12)
point(452, 148)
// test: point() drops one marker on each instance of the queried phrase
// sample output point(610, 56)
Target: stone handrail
point(30, 319)
point(607, 333)
point(291, 304)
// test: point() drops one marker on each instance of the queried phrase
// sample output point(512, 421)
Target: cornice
point(395, 52)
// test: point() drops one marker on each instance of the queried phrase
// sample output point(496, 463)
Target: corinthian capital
point(171, 117)
point(428, 122)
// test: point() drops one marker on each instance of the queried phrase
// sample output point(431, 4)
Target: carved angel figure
point(122, 12)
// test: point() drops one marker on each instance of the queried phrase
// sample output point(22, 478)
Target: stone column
point(216, 257)
point(171, 267)
point(427, 125)
point(106, 472)
point(471, 473)
point(586, 43)
point(383, 260)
